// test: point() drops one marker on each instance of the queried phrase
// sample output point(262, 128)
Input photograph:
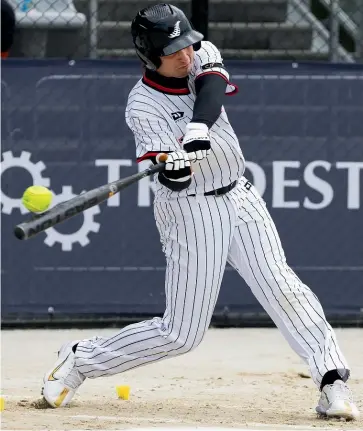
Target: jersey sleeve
point(208, 59)
point(152, 134)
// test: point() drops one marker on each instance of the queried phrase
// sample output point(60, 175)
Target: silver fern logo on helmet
point(176, 31)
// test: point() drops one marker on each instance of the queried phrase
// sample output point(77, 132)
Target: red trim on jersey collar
point(165, 84)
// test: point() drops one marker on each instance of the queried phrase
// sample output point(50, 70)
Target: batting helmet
point(161, 30)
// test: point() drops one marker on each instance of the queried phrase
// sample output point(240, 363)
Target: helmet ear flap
point(151, 63)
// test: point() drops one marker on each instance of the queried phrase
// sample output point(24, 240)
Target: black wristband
point(196, 145)
point(176, 186)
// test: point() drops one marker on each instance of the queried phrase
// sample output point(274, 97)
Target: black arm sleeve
point(210, 89)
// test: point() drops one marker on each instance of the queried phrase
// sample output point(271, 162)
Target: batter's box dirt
point(239, 378)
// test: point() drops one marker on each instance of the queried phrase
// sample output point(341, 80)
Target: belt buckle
point(216, 193)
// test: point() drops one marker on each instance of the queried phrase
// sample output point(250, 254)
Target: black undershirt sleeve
point(210, 89)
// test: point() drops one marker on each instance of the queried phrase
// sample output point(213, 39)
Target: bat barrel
point(78, 204)
point(61, 212)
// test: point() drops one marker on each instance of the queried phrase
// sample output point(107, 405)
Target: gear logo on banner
point(52, 235)
point(81, 235)
point(34, 169)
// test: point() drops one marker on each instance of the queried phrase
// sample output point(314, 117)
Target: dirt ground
point(240, 378)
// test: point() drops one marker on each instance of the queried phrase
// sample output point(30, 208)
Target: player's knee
point(187, 343)
point(190, 345)
point(183, 343)
point(184, 346)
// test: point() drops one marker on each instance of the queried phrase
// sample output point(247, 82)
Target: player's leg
point(195, 234)
point(195, 242)
point(257, 254)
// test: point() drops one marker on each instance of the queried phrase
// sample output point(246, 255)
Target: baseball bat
point(65, 210)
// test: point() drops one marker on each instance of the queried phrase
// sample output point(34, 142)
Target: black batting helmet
point(162, 30)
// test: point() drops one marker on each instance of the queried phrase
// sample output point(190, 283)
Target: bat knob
point(19, 232)
point(162, 157)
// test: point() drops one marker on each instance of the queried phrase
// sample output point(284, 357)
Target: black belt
point(221, 191)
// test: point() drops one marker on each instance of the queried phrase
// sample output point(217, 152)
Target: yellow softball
point(37, 199)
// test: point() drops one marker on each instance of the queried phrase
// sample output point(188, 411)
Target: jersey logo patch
point(176, 31)
point(211, 65)
point(177, 115)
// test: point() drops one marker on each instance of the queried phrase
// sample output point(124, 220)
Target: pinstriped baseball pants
point(199, 235)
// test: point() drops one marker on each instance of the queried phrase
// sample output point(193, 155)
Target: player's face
point(177, 65)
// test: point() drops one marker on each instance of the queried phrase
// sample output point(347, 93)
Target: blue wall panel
point(300, 128)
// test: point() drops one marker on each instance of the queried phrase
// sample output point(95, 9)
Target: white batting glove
point(176, 161)
point(196, 141)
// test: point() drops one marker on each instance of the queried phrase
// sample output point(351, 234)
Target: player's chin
point(183, 71)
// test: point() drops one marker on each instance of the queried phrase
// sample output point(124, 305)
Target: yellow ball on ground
point(123, 392)
point(37, 198)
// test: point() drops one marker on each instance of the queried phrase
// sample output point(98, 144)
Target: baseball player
point(207, 214)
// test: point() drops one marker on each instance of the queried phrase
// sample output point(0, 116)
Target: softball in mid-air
point(37, 199)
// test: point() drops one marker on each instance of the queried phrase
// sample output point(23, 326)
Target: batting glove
point(196, 141)
point(176, 161)
point(177, 166)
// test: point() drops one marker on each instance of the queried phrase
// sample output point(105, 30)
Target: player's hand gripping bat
point(82, 202)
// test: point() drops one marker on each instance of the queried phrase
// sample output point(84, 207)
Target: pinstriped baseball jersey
point(158, 120)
